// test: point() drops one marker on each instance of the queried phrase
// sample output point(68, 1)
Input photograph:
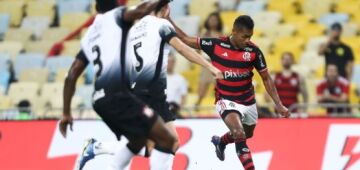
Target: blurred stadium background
point(40, 39)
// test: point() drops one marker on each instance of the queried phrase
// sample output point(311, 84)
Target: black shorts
point(126, 115)
point(159, 104)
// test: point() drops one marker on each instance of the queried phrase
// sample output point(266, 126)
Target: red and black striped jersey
point(288, 88)
point(236, 65)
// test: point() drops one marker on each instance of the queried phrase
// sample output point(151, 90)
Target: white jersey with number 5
point(148, 49)
point(103, 45)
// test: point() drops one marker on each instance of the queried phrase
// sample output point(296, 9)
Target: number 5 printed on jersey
point(140, 62)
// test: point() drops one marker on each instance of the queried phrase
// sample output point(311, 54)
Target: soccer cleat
point(219, 149)
point(87, 153)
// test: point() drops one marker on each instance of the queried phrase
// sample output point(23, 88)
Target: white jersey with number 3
point(148, 49)
point(103, 45)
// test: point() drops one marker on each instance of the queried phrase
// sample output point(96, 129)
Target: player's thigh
point(233, 121)
point(230, 114)
point(161, 135)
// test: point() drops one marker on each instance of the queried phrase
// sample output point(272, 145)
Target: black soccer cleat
point(219, 149)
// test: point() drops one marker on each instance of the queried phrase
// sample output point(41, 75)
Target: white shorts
point(248, 113)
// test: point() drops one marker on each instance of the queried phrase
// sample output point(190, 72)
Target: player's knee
point(168, 142)
point(238, 134)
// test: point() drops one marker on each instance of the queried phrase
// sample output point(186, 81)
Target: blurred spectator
point(213, 28)
point(7, 77)
point(289, 84)
point(333, 89)
point(176, 88)
point(24, 108)
point(338, 53)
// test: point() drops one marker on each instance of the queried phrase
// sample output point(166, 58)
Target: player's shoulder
point(251, 46)
point(207, 41)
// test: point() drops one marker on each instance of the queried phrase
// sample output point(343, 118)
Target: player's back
point(148, 51)
point(103, 46)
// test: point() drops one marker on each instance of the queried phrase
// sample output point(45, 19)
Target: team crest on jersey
point(247, 56)
point(232, 104)
point(293, 82)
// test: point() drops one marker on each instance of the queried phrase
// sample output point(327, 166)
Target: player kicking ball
point(236, 56)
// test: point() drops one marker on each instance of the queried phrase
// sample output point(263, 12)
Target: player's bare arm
point(143, 9)
point(271, 90)
point(191, 55)
point(75, 71)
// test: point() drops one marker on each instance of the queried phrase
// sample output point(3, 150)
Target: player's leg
point(249, 123)
point(124, 154)
point(159, 160)
point(164, 147)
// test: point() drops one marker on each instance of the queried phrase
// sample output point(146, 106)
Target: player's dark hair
point(103, 6)
point(244, 21)
point(219, 27)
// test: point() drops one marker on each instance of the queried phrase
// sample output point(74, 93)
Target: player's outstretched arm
point(271, 90)
point(78, 66)
point(191, 55)
point(143, 9)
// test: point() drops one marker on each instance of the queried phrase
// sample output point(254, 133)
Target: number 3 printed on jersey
point(140, 62)
point(97, 61)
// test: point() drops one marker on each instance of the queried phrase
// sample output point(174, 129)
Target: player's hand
point(282, 110)
point(217, 73)
point(64, 122)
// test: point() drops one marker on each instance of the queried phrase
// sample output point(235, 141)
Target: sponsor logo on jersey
point(246, 56)
point(98, 95)
point(207, 43)
point(232, 104)
point(248, 49)
point(225, 45)
point(236, 74)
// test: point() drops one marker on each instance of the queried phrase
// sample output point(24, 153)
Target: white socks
point(161, 160)
point(121, 159)
point(105, 148)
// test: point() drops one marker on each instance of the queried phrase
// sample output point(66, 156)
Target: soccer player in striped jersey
point(236, 56)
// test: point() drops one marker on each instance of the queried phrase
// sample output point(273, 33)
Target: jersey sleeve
point(167, 31)
point(81, 56)
point(207, 45)
point(259, 62)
